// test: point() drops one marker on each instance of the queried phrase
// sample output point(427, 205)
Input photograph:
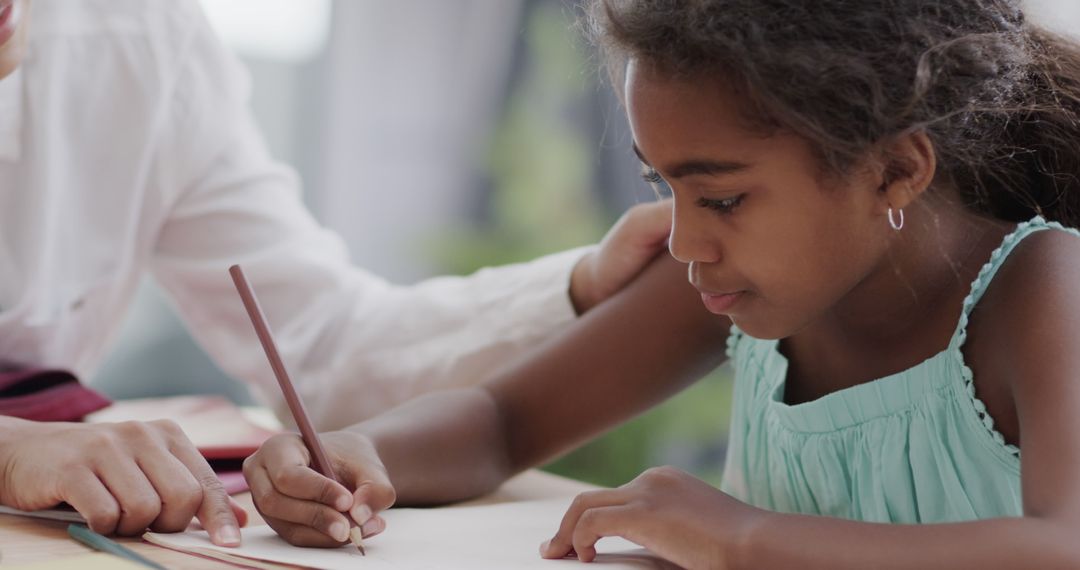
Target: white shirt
point(126, 145)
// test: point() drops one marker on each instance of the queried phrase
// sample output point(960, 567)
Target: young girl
point(875, 194)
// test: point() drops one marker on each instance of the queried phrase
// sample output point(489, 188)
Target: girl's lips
point(722, 303)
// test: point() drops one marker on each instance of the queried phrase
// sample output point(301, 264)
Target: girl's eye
point(657, 182)
point(724, 206)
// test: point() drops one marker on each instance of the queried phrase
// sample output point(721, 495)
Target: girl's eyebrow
point(697, 166)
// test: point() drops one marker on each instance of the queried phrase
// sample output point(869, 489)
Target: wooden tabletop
point(24, 540)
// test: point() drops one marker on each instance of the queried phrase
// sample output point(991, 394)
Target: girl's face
point(13, 24)
point(770, 241)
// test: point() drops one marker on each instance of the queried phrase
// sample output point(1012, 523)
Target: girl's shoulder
point(1041, 273)
point(1024, 329)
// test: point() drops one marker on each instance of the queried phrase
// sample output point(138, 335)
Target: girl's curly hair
point(998, 96)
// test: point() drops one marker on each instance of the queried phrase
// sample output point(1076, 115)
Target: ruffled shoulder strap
point(978, 288)
point(990, 269)
point(734, 336)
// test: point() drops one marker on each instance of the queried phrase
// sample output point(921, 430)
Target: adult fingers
point(649, 225)
point(239, 512)
point(82, 489)
point(179, 492)
point(215, 512)
point(138, 500)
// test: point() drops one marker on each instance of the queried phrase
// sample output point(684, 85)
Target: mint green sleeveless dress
point(913, 447)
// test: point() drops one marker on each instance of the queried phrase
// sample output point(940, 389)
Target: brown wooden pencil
point(319, 460)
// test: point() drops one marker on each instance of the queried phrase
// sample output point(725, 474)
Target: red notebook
point(214, 424)
point(46, 395)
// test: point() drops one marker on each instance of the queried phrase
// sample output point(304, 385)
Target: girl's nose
point(690, 240)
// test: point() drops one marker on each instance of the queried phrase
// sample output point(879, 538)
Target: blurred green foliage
point(540, 160)
point(541, 164)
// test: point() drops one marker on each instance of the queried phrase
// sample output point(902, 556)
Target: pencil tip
point(356, 535)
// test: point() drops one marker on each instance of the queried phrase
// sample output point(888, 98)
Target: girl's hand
point(671, 513)
point(122, 478)
point(635, 240)
point(307, 509)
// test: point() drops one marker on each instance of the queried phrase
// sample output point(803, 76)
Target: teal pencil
point(98, 542)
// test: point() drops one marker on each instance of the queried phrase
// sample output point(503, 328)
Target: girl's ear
point(910, 165)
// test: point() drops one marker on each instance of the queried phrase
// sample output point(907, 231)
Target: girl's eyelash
point(652, 176)
point(724, 206)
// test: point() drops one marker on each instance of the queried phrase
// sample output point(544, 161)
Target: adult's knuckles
point(141, 508)
point(138, 433)
point(102, 519)
point(184, 496)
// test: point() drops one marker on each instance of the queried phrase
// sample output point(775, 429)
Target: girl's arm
point(626, 355)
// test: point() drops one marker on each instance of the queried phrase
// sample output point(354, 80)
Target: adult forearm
point(796, 541)
point(441, 447)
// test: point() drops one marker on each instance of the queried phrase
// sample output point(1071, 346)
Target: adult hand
point(639, 235)
point(122, 478)
point(673, 514)
point(307, 509)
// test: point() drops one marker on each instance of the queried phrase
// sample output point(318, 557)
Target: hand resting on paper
point(122, 477)
point(308, 509)
point(668, 511)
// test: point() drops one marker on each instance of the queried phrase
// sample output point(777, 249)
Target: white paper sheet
point(499, 536)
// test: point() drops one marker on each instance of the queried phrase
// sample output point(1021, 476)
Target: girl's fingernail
point(361, 514)
point(372, 526)
point(544, 547)
point(339, 531)
point(343, 502)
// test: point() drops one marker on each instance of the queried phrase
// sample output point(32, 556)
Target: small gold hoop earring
point(896, 225)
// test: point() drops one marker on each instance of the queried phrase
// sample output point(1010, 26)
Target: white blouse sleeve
point(354, 344)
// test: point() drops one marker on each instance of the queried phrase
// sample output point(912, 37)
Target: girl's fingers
point(372, 497)
point(285, 509)
point(304, 483)
point(287, 459)
point(372, 526)
point(300, 535)
point(88, 495)
point(597, 523)
point(281, 451)
point(563, 542)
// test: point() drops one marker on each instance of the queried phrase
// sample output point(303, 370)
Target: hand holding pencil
point(298, 498)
